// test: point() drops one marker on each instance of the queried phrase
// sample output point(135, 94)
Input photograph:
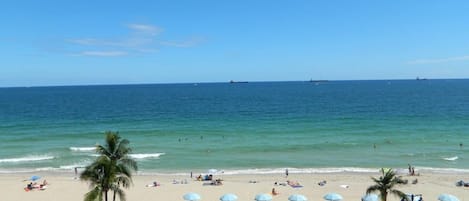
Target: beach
point(351, 186)
point(341, 132)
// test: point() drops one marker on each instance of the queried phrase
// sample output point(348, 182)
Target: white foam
point(443, 170)
point(331, 170)
point(87, 149)
point(138, 156)
point(300, 170)
point(26, 159)
point(81, 164)
point(451, 158)
point(143, 156)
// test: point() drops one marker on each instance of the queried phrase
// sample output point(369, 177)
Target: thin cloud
point(188, 43)
point(442, 60)
point(142, 39)
point(145, 28)
point(127, 43)
point(103, 53)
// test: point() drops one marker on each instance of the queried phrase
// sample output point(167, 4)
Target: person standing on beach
point(286, 172)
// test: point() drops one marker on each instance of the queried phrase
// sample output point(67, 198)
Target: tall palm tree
point(112, 169)
point(386, 184)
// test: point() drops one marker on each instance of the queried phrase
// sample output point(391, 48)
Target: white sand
point(64, 187)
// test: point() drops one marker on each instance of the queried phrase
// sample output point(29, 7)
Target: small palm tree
point(385, 185)
point(95, 174)
point(111, 170)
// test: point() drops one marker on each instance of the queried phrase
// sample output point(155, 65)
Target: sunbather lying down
point(294, 184)
point(154, 184)
point(32, 186)
point(280, 183)
point(462, 183)
point(217, 182)
point(322, 183)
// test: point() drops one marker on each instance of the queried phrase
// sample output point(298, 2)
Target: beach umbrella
point(212, 171)
point(370, 197)
point(447, 197)
point(191, 197)
point(34, 178)
point(297, 197)
point(333, 197)
point(263, 197)
point(228, 197)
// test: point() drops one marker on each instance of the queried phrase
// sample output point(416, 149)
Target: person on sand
point(199, 178)
point(154, 184)
point(29, 186)
point(293, 183)
point(322, 183)
point(43, 185)
point(274, 192)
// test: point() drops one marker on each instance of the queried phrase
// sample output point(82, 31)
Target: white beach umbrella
point(297, 197)
point(191, 197)
point(228, 197)
point(212, 171)
point(370, 197)
point(447, 197)
point(333, 197)
point(263, 197)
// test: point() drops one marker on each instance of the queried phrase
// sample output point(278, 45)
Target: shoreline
point(253, 171)
point(351, 186)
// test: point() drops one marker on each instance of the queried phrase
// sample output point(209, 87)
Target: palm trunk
point(105, 196)
point(385, 196)
point(114, 196)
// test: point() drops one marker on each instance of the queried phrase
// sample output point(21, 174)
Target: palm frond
point(386, 184)
point(94, 195)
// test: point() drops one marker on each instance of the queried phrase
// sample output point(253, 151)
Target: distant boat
point(236, 82)
point(420, 78)
point(311, 80)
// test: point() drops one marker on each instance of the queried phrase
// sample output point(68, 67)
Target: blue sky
point(119, 42)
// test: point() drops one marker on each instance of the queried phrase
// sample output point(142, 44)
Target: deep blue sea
point(243, 127)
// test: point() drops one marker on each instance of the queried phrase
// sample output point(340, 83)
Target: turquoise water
point(242, 128)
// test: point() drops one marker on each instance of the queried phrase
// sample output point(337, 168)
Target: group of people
point(204, 178)
point(217, 182)
point(414, 198)
point(35, 185)
point(412, 171)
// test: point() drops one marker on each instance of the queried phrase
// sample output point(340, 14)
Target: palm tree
point(385, 185)
point(112, 169)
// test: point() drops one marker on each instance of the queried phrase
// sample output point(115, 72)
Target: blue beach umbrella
point(228, 197)
point(34, 178)
point(297, 197)
point(370, 197)
point(263, 197)
point(333, 197)
point(447, 197)
point(191, 197)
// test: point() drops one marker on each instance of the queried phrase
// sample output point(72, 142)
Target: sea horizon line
point(225, 82)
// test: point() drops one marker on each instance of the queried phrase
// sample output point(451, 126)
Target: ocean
point(255, 127)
